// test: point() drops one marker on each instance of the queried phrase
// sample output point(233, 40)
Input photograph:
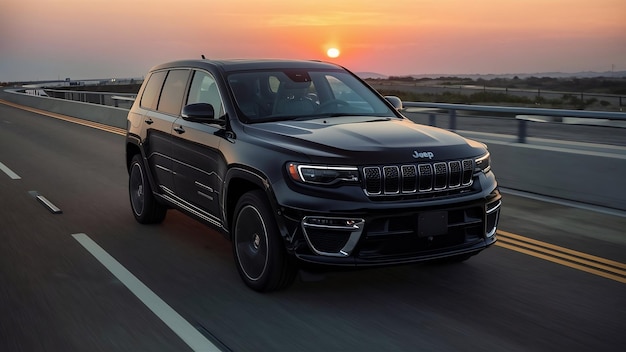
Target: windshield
point(301, 94)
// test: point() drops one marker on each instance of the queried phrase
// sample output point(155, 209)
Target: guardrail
point(105, 114)
point(524, 115)
point(118, 100)
point(545, 97)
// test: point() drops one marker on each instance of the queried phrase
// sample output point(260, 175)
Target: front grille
point(409, 179)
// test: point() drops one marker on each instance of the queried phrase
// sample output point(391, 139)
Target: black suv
point(300, 164)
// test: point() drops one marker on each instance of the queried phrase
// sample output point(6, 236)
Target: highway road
point(77, 273)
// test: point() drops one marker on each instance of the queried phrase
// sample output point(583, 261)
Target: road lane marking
point(190, 335)
point(48, 204)
point(45, 202)
point(585, 256)
point(9, 172)
point(578, 260)
point(75, 120)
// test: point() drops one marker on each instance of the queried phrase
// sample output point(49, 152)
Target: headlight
point(483, 163)
point(322, 174)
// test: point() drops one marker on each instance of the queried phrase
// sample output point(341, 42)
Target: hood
point(366, 140)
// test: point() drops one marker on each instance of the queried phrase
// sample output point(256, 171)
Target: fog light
point(335, 237)
point(334, 223)
point(492, 211)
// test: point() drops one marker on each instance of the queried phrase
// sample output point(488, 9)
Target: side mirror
point(198, 112)
point(395, 101)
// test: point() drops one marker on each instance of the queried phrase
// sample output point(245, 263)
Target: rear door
point(198, 165)
point(157, 143)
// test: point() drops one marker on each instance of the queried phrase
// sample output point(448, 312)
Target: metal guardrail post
point(521, 131)
point(431, 120)
point(453, 120)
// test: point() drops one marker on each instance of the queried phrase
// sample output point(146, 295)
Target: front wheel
point(145, 208)
point(260, 255)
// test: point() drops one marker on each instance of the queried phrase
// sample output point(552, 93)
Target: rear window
point(173, 91)
point(150, 97)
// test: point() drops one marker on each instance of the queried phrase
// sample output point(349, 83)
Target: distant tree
point(401, 78)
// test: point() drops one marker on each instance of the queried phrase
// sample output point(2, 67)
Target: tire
point(260, 255)
point(145, 207)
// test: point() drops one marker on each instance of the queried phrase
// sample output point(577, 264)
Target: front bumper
point(396, 236)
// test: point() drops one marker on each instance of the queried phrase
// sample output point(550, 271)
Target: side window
point(150, 96)
point(173, 92)
point(204, 90)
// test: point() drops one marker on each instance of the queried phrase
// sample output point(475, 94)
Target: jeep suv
point(302, 164)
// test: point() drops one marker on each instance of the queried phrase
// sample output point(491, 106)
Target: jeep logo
point(421, 155)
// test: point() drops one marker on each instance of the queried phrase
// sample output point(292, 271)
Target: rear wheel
point(145, 208)
point(259, 252)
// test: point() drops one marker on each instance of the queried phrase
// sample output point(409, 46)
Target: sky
point(84, 39)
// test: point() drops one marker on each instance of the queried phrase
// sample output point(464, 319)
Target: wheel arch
point(132, 148)
point(239, 181)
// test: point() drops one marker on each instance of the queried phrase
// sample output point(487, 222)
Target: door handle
point(149, 121)
point(179, 129)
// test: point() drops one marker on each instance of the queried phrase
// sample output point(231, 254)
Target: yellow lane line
point(585, 262)
point(512, 236)
point(87, 123)
point(593, 265)
point(563, 262)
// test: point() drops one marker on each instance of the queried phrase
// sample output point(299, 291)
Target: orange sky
point(50, 39)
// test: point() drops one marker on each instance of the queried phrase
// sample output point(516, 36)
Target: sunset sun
point(332, 53)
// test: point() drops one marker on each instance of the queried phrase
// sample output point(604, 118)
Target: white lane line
point(191, 336)
point(9, 172)
point(48, 204)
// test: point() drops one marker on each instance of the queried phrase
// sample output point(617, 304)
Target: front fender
point(239, 180)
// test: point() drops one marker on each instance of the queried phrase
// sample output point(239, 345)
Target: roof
point(249, 64)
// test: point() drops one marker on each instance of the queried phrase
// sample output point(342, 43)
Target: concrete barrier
point(107, 115)
point(581, 172)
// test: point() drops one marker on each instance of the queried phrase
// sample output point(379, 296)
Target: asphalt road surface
point(77, 273)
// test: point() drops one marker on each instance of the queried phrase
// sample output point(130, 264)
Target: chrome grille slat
point(389, 180)
point(409, 178)
point(468, 170)
point(373, 180)
point(392, 179)
point(441, 176)
point(455, 174)
point(425, 177)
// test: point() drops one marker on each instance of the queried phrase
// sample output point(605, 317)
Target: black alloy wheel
point(145, 207)
point(258, 248)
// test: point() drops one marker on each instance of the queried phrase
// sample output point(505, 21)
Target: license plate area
point(434, 223)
